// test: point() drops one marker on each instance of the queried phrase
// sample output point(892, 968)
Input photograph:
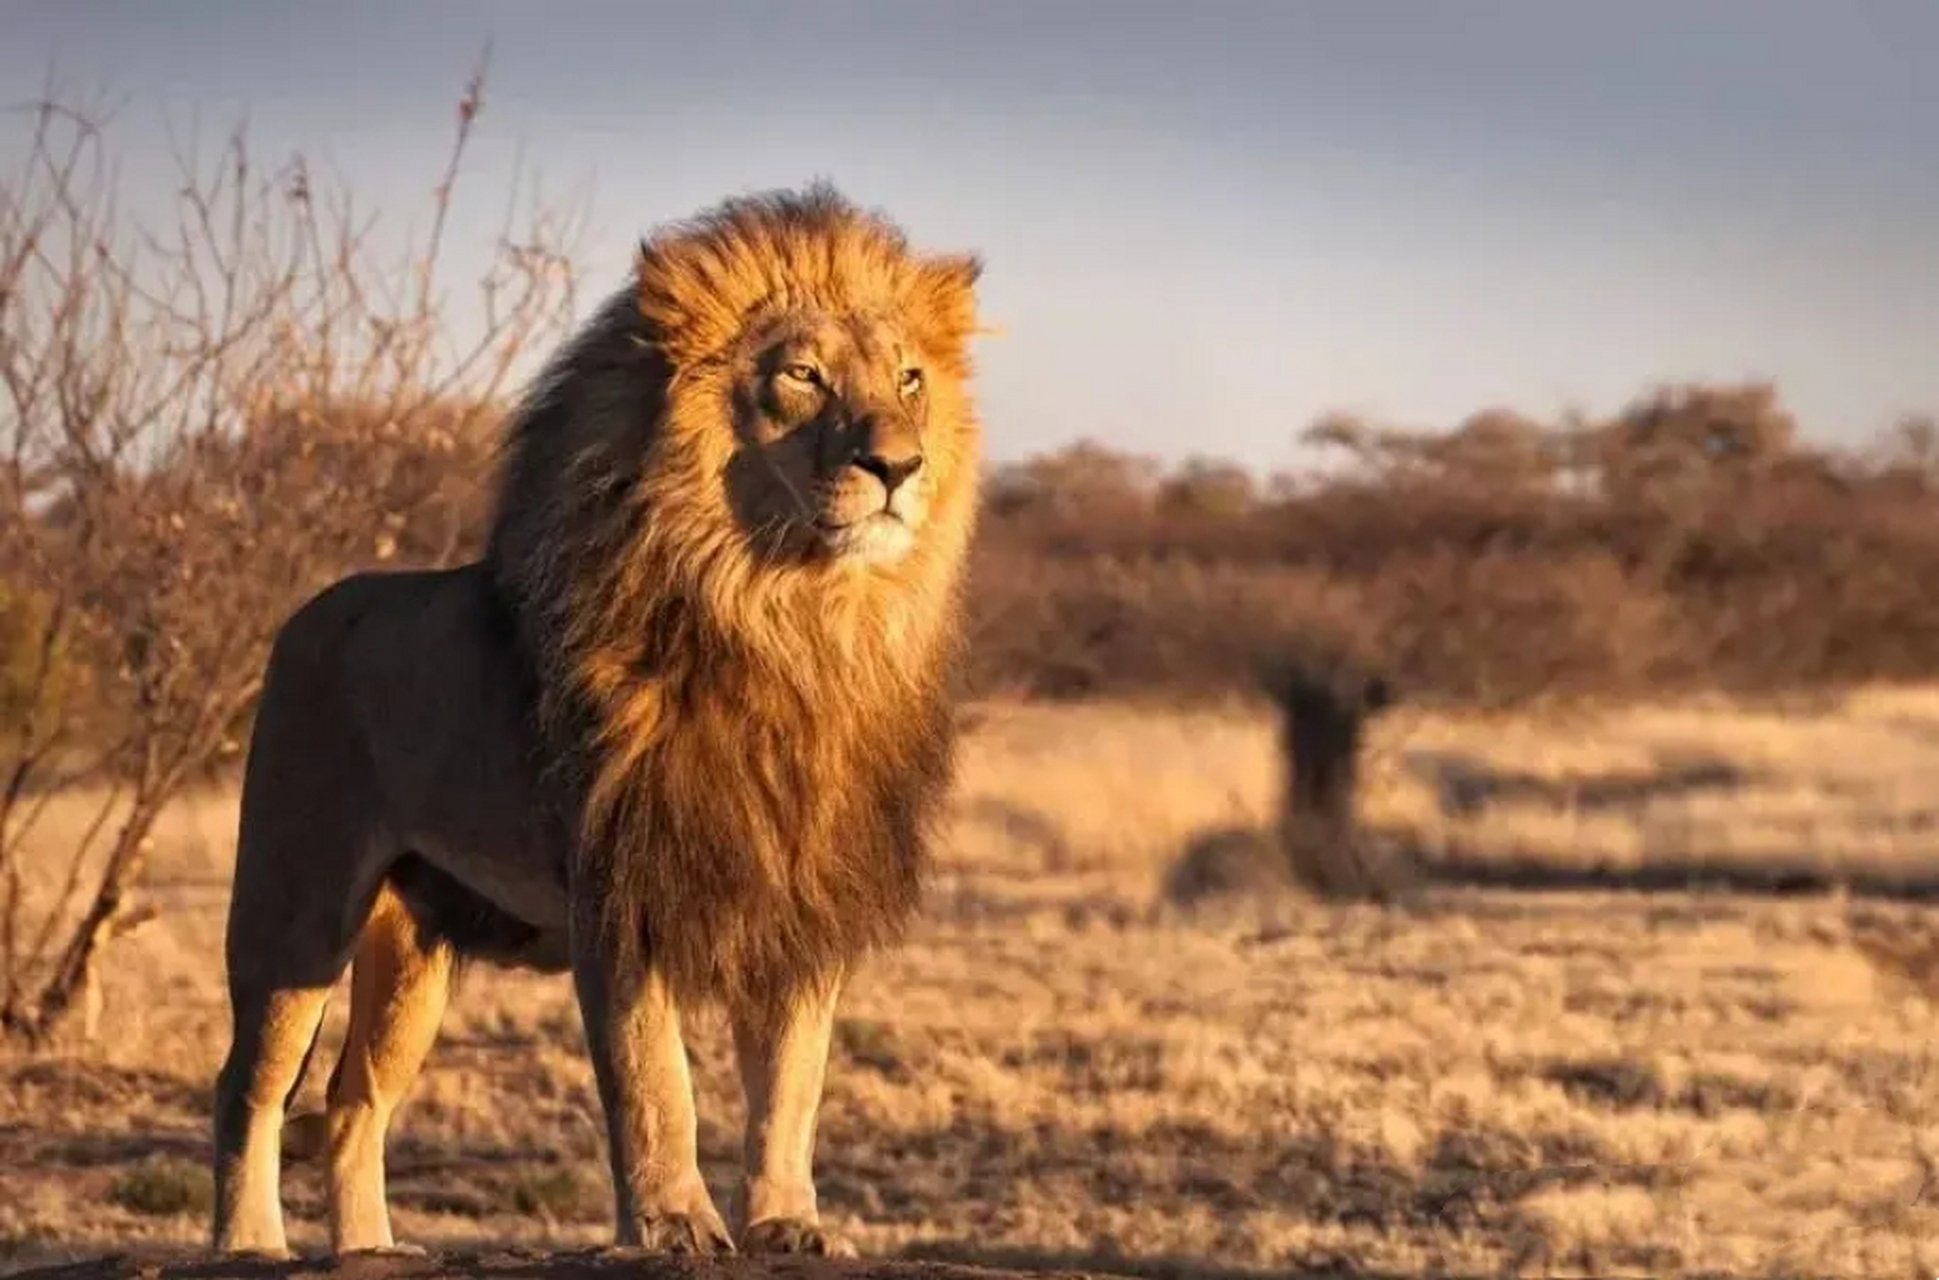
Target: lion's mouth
point(834, 524)
point(877, 537)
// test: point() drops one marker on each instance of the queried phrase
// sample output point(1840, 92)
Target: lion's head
point(818, 367)
point(774, 411)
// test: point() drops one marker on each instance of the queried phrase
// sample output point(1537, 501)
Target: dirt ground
point(1066, 1069)
point(516, 1264)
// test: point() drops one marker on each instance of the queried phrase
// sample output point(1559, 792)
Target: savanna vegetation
point(1688, 632)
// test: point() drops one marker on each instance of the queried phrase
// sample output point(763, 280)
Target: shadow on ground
point(1232, 860)
point(1039, 1262)
point(517, 1264)
point(1466, 785)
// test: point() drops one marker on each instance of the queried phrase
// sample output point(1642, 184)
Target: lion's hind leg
point(288, 945)
point(292, 922)
point(399, 984)
point(275, 1031)
point(309, 858)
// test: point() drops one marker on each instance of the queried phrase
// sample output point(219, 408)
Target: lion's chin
point(879, 539)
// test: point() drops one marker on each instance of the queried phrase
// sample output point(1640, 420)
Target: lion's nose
point(890, 471)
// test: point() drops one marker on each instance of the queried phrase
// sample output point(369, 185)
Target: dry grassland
point(1064, 1068)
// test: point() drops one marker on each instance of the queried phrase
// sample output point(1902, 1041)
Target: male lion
point(683, 729)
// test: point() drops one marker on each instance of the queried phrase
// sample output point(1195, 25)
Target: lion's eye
point(911, 381)
point(804, 373)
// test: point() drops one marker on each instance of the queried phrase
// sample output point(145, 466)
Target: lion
point(682, 729)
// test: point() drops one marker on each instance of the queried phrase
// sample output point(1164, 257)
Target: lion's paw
point(794, 1235)
point(683, 1234)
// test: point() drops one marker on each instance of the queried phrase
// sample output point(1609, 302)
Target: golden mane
point(749, 750)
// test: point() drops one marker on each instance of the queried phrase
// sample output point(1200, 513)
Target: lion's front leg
point(783, 1055)
point(660, 1201)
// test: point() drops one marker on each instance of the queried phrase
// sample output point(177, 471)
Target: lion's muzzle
point(874, 501)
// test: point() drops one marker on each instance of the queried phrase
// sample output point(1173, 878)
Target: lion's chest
point(751, 827)
point(749, 769)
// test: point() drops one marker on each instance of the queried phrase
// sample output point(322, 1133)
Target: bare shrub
point(200, 424)
point(1692, 540)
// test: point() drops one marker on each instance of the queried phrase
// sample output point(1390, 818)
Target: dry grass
point(1844, 787)
point(1063, 1068)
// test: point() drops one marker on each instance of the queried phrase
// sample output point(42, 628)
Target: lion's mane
point(748, 754)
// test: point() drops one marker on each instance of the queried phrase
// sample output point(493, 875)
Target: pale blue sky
point(1204, 224)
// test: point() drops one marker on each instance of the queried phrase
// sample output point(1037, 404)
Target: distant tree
point(1494, 449)
point(1081, 478)
point(1909, 452)
point(1491, 450)
point(1207, 487)
point(1685, 445)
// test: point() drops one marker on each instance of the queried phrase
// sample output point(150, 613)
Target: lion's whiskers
point(801, 506)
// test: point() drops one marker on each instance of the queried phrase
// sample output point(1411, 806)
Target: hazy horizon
point(1202, 228)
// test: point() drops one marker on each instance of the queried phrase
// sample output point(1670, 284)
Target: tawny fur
point(645, 712)
point(752, 756)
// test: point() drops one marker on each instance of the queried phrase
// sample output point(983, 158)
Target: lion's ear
point(945, 297)
point(958, 271)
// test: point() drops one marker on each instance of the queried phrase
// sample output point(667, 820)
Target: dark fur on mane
point(751, 756)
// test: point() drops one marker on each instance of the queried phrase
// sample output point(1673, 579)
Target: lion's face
point(837, 451)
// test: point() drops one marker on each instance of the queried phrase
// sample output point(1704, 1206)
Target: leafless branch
point(203, 419)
